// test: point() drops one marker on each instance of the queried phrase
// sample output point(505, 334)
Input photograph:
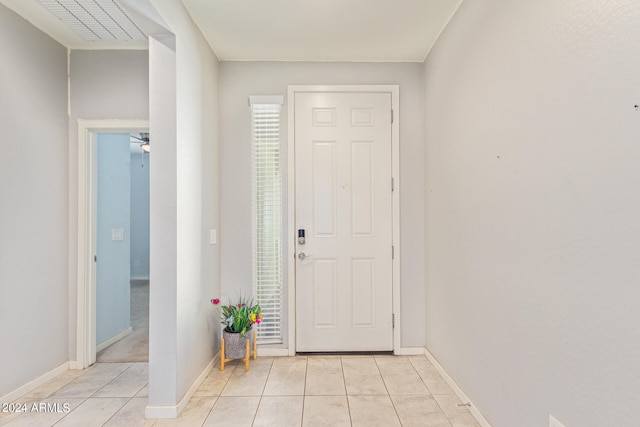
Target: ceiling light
point(144, 141)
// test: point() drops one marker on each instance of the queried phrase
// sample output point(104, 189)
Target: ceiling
point(262, 30)
point(321, 30)
point(82, 24)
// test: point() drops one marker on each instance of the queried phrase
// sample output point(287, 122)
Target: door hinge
point(393, 320)
point(391, 116)
point(95, 258)
point(393, 184)
point(393, 252)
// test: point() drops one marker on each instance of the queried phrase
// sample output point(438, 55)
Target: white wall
point(34, 203)
point(162, 226)
point(238, 80)
point(104, 85)
point(184, 206)
point(532, 207)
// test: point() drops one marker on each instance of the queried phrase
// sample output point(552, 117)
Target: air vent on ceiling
point(95, 20)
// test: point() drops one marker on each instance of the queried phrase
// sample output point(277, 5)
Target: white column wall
point(184, 184)
point(162, 225)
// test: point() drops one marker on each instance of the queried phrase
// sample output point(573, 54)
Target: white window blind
point(267, 214)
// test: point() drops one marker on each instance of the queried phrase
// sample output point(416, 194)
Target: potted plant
point(238, 319)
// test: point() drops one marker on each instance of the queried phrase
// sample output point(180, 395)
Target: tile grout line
point(422, 379)
point(344, 379)
point(114, 378)
point(375, 360)
point(117, 410)
point(217, 398)
point(70, 412)
point(93, 396)
point(304, 391)
point(386, 388)
point(85, 399)
point(432, 394)
point(262, 393)
point(346, 392)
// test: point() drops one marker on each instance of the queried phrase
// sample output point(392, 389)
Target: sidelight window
point(266, 209)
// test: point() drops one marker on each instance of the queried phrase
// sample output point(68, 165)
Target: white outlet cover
point(554, 423)
point(213, 237)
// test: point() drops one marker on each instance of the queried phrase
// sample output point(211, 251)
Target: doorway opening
point(122, 264)
point(113, 249)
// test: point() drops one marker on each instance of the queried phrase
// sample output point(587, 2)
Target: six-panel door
point(344, 204)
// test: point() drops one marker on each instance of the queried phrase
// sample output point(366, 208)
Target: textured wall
point(532, 206)
point(33, 203)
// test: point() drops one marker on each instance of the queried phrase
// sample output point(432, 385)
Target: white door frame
point(394, 90)
point(87, 202)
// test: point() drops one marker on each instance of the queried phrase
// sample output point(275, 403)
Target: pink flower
point(258, 320)
point(215, 301)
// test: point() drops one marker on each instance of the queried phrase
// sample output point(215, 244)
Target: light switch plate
point(117, 234)
point(213, 237)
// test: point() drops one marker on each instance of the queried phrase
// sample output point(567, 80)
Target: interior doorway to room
point(113, 248)
point(122, 248)
point(344, 208)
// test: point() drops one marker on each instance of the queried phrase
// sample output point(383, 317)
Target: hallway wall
point(532, 207)
point(105, 84)
point(33, 203)
point(239, 80)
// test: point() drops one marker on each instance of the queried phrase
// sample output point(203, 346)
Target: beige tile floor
point(287, 391)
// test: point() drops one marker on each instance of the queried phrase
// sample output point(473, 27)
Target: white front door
point(344, 205)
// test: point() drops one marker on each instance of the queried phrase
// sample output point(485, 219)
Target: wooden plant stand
point(248, 354)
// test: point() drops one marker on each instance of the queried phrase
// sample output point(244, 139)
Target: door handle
point(302, 256)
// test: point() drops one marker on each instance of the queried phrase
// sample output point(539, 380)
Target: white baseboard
point(457, 390)
point(172, 411)
point(117, 337)
point(16, 394)
point(161, 412)
point(196, 384)
point(272, 352)
point(410, 351)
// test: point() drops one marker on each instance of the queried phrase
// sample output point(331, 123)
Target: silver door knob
point(302, 256)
